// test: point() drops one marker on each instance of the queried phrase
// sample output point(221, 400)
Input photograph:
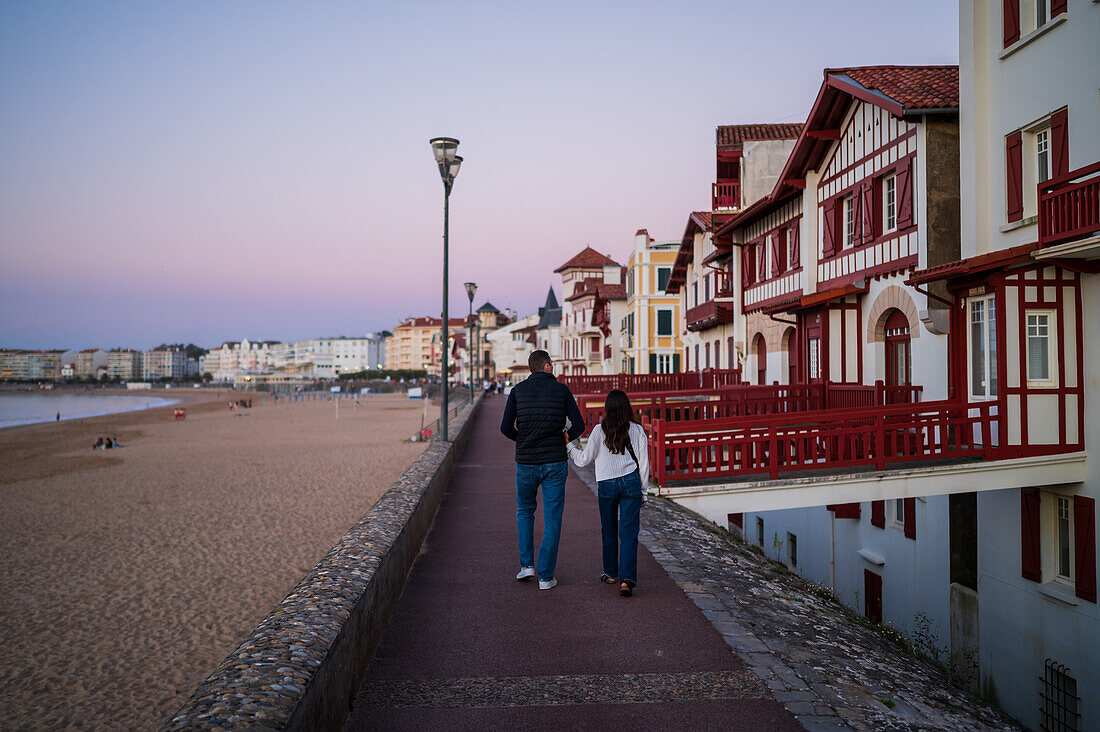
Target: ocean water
point(17, 409)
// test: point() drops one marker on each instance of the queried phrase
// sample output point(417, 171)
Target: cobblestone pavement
point(828, 668)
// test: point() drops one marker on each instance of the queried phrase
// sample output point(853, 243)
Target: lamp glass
point(471, 290)
point(444, 149)
point(452, 169)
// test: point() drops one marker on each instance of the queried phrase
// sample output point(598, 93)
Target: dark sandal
point(626, 589)
point(607, 580)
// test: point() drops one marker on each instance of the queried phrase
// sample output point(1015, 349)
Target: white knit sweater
point(610, 465)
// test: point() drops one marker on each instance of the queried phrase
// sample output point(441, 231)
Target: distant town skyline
point(204, 172)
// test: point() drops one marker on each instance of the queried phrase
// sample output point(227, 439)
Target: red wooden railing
point(645, 383)
point(723, 283)
point(769, 445)
point(1069, 206)
point(726, 195)
point(708, 314)
point(746, 400)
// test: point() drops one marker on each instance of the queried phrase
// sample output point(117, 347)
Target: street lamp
point(471, 290)
point(445, 149)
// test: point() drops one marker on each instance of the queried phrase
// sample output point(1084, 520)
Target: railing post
point(880, 441)
point(773, 449)
point(880, 393)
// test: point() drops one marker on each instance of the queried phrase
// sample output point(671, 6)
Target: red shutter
point(828, 238)
point(869, 210)
point(762, 264)
point(1059, 139)
point(878, 514)
point(1084, 547)
point(911, 518)
point(904, 193)
point(1010, 21)
point(796, 255)
point(1057, 7)
point(746, 265)
point(776, 263)
point(1029, 535)
point(1014, 178)
point(736, 519)
point(872, 595)
point(844, 510)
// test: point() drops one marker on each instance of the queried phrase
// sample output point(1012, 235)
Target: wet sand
point(129, 574)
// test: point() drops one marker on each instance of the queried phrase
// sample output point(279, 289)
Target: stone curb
point(300, 668)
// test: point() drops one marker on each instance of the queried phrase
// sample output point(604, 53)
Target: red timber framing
point(1038, 416)
point(708, 380)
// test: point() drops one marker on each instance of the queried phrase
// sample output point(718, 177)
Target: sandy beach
point(129, 574)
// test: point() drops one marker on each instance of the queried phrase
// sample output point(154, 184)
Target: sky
point(209, 171)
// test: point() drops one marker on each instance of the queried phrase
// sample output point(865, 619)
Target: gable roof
point(588, 258)
point(906, 88)
point(487, 308)
point(736, 134)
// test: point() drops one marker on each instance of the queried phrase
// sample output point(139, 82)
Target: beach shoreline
point(132, 573)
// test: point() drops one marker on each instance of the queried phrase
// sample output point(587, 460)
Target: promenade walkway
point(469, 647)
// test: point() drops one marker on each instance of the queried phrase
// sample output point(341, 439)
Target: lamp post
point(471, 290)
point(445, 150)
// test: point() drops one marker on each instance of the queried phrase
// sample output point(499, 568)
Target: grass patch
point(890, 704)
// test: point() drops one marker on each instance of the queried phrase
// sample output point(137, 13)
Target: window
point(1064, 538)
point(898, 518)
point(1042, 156)
point(1041, 13)
point(983, 347)
point(664, 322)
point(664, 364)
point(813, 361)
point(1039, 347)
point(759, 531)
point(792, 550)
point(663, 274)
point(848, 227)
point(889, 203)
point(1059, 701)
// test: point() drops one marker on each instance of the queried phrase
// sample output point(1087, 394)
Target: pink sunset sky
point(208, 171)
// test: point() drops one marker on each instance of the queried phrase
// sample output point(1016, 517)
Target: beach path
point(469, 647)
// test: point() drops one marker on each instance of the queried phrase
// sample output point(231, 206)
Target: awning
point(973, 265)
point(826, 296)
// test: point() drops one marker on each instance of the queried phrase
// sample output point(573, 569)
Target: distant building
point(91, 363)
point(23, 365)
point(327, 358)
point(238, 357)
point(124, 364)
point(595, 297)
point(163, 363)
point(650, 329)
point(511, 344)
point(548, 329)
point(415, 346)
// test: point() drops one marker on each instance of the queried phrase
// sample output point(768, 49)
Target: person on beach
point(538, 411)
point(618, 444)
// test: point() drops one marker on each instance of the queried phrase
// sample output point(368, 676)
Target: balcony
point(726, 195)
point(708, 315)
point(723, 284)
point(1069, 206)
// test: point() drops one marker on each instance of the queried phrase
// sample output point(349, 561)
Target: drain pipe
point(832, 550)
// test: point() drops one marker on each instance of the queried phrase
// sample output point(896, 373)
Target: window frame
point(897, 514)
point(848, 222)
point(989, 347)
point(1051, 380)
point(1049, 540)
point(889, 198)
point(1043, 154)
point(667, 272)
point(657, 323)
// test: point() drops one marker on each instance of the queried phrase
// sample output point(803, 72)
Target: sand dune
point(129, 575)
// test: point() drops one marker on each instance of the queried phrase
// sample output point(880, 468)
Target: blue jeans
point(620, 502)
point(551, 477)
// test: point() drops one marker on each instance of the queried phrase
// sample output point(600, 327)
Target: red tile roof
point(588, 258)
point(611, 292)
point(703, 218)
point(736, 134)
point(973, 265)
point(913, 87)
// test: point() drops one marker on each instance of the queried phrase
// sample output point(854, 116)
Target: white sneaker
point(525, 572)
point(547, 584)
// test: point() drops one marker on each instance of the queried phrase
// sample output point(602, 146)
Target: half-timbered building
point(594, 294)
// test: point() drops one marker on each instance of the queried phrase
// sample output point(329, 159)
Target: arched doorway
point(898, 354)
point(760, 348)
point(790, 337)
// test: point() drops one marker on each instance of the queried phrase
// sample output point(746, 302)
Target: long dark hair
point(617, 416)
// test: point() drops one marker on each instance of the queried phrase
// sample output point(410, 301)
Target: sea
point(19, 409)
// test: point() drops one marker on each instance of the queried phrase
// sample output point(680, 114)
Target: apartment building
point(163, 363)
point(415, 344)
point(511, 344)
point(236, 357)
point(26, 365)
point(594, 290)
point(124, 364)
point(649, 336)
point(327, 358)
point(90, 363)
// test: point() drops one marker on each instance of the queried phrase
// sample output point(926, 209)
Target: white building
point(511, 345)
point(328, 358)
point(163, 363)
point(239, 357)
point(124, 364)
point(594, 292)
point(90, 363)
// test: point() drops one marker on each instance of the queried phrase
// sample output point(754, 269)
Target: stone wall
point(302, 665)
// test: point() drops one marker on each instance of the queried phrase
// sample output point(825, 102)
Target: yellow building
point(415, 344)
point(650, 335)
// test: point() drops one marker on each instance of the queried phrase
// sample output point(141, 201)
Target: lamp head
point(471, 289)
point(444, 149)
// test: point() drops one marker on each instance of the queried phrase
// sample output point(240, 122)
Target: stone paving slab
point(828, 669)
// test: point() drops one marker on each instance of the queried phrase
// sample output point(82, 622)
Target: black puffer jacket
point(535, 417)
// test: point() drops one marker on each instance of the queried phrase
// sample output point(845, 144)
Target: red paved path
point(469, 647)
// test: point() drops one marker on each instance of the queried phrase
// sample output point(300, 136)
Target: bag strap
point(630, 449)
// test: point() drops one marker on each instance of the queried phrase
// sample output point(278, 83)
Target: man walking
point(535, 418)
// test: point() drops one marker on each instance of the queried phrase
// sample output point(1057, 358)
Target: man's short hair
point(538, 361)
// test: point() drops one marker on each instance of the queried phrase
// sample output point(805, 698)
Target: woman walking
point(618, 444)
